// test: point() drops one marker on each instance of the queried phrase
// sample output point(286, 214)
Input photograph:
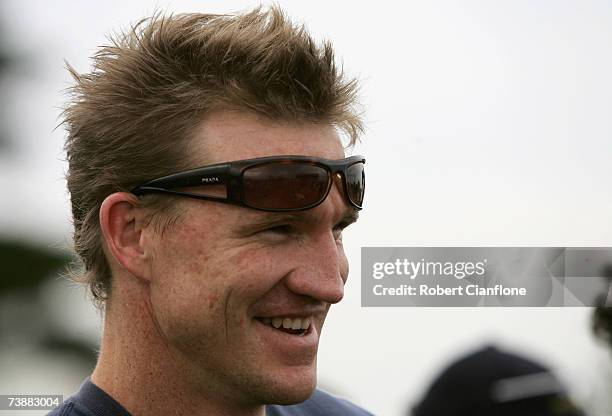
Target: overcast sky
point(488, 125)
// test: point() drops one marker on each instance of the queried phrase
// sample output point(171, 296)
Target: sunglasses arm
point(143, 190)
point(213, 177)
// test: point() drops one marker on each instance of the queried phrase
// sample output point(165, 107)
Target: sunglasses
point(276, 183)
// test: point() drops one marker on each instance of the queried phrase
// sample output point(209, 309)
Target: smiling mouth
point(294, 326)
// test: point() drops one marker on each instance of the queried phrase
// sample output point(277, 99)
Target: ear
point(121, 222)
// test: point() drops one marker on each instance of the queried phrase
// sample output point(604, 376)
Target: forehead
point(235, 135)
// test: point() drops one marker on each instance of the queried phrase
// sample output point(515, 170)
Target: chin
point(288, 389)
point(296, 393)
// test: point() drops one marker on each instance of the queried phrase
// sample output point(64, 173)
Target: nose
point(323, 267)
point(322, 272)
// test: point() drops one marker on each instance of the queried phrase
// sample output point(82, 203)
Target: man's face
point(223, 275)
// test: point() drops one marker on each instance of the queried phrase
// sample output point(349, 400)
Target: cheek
point(202, 281)
point(251, 272)
point(185, 305)
point(186, 296)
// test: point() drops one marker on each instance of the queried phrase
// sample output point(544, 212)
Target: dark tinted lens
point(284, 185)
point(355, 183)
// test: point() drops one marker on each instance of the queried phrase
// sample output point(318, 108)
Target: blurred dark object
point(602, 318)
point(26, 266)
point(83, 351)
point(492, 382)
point(25, 318)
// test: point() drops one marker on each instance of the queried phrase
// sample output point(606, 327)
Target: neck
point(142, 372)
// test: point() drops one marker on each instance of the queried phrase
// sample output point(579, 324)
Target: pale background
point(488, 124)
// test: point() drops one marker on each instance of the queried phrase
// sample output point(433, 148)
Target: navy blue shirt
point(91, 400)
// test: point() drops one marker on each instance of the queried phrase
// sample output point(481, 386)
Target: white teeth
point(288, 323)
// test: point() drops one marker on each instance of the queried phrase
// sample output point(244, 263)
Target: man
point(215, 274)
